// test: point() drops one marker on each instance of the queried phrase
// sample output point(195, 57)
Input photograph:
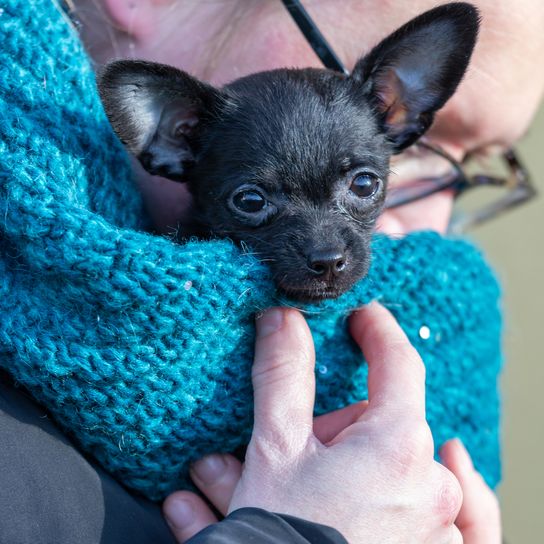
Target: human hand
point(371, 474)
point(479, 519)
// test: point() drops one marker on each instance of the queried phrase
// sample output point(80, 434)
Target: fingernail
point(365, 308)
point(368, 306)
point(269, 322)
point(376, 304)
point(209, 469)
point(179, 513)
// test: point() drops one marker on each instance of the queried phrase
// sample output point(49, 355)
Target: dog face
point(296, 168)
point(294, 163)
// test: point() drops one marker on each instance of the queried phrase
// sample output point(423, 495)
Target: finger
point(283, 377)
point(217, 476)
point(455, 536)
point(328, 426)
point(479, 518)
point(396, 375)
point(186, 515)
point(452, 535)
point(447, 499)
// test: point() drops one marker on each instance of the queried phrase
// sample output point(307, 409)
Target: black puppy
point(294, 163)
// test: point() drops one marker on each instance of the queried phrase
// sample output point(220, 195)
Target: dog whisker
point(287, 163)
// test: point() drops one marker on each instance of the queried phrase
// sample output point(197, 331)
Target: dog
point(294, 162)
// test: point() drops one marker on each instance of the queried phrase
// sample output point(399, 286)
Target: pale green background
point(514, 244)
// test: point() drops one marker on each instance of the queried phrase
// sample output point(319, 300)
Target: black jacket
point(51, 494)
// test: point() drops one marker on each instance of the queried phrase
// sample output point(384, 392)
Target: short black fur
point(294, 163)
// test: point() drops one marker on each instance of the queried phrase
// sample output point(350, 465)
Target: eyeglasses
point(434, 169)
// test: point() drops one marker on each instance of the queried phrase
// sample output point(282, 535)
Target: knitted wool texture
point(141, 348)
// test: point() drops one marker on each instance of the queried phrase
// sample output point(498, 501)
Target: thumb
point(479, 519)
point(283, 376)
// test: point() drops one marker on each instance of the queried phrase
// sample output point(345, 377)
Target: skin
point(379, 453)
point(228, 39)
point(218, 41)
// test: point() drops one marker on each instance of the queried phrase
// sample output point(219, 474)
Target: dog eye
point(365, 185)
point(249, 201)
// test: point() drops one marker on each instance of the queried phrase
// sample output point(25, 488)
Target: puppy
point(294, 163)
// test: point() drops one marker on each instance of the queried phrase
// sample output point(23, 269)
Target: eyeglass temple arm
point(313, 36)
point(522, 191)
point(515, 197)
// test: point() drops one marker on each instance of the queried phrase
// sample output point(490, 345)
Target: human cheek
point(431, 213)
point(262, 44)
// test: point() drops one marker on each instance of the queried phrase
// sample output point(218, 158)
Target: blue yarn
point(141, 348)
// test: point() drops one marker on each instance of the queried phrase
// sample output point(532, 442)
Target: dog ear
point(158, 112)
point(414, 71)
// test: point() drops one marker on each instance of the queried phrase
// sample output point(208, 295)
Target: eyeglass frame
point(519, 181)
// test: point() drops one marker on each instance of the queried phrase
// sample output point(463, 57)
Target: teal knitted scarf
point(141, 348)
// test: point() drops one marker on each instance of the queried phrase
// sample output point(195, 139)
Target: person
point(367, 470)
point(221, 41)
point(224, 40)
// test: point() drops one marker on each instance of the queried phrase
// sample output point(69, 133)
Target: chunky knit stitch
point(141, 348)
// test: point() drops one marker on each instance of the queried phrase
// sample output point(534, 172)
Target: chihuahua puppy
point(294, 162)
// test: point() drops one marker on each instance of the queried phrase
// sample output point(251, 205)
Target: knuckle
point(273, 368)
point(411, 447)
point(449, 498)
point(267, 452)
point(403, 350)
point(275, 447)
point(456, 537)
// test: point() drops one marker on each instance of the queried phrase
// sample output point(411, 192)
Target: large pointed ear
point(158, 112)
point(414, 71)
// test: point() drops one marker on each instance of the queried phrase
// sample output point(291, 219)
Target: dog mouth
point(314, 293)
point(305, 289)
point(306, 284)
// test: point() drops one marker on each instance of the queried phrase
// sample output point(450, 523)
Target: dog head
point(294, 163)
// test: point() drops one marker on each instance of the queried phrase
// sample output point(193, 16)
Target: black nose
point(327, 263)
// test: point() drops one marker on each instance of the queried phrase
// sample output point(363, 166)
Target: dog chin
point(314, 293)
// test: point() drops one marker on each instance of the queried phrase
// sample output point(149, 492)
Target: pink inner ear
point(389, 91)
point(184, 126)
point(189, 120)
point(178, 119)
